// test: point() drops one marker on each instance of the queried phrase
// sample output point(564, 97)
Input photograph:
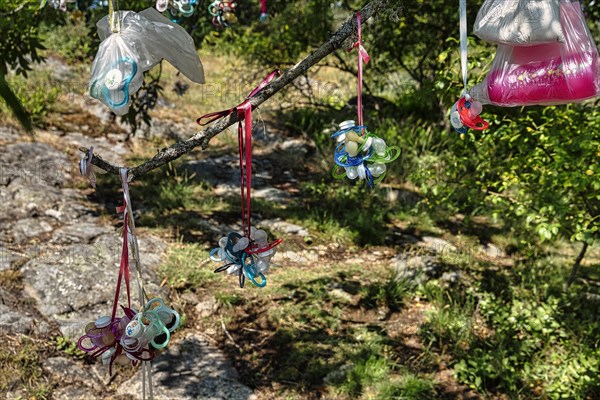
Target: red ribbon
point(363, 56)
point(124, 267)
point(244, 111)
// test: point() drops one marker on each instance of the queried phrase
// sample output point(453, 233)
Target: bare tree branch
point(202, 138)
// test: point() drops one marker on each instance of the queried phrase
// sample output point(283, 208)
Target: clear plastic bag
point(519, 22)
point(144, 39)
point(545, 74)
point(115, 74)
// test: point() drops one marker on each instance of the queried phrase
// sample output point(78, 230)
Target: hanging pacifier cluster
point(136, 335)
point(364, 157)
point(58, 4)
point(465, 112)
point(223, 13)
point(132, 337)
point(177, 8)
point(248, 255)
point(360, 154)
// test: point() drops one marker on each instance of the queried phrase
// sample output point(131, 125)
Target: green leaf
point(15, 105)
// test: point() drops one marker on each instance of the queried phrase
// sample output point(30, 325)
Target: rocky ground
point(62, 257)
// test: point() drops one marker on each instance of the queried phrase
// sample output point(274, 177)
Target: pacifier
point(162, 5)
point(113, 87)
point(223, 12)
point(98, 335)
point(185, 7)
point(168, 316)
point(465, 114)
point(362, 157)
point(249, 257)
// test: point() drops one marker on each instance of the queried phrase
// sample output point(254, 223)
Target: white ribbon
point(463, 43)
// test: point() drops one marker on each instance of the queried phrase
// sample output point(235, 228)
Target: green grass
point(187, 267)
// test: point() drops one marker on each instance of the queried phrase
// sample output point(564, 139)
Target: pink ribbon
point(363, 57)
point(244, 112)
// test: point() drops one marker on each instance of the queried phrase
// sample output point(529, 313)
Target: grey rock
point(74, 393)
point(284, 227)
point(341, 294)
point(492, 251)
point(225, 170)
point(296, 146)
point(207, 307)
point(416, 269)
point(25, 229)
point(73, 283)
point(271, 194)
point(34, 163)
point(69, 371)
point(283, 257)
point(452, 277)
point(79, 232)
point(21, 199)
point(437, 245)
point(13, 321)
point(7, 256)
point(191, 369)
point(402, 196)
point(8, 134)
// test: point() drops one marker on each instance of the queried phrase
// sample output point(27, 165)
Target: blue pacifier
point(113, 88)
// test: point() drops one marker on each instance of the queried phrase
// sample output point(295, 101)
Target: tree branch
point(202, 138)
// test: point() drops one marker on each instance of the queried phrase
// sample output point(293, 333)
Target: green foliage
point(364, 373)
point(229, 300)
point(185, 267)
point(450, 321)
point(285, 38)
point(69, 347)
point(516, 335)
point(19, 47)
point(341, 208)
point(168, 189)
point(388, 295)
point(408, 387)
point(36, 93)
point(70, 40)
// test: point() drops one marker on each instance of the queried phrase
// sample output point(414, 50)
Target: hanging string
point(129, 227)
point(123, 273)
point(113, 12)
point(244, 114)
point(363, 57)
point(263, 10)
point(463, 43)
point(245, 146)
